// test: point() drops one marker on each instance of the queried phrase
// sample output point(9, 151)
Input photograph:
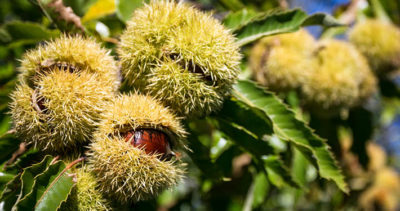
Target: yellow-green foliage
point(85, 196)
point(84, 54)
point(179, 55)
point(379, 42)
point(62, 112)
point(127, 173)
point(283, 62)
point(342, 78)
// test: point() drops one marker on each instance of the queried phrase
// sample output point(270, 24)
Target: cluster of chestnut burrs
point(176, 62)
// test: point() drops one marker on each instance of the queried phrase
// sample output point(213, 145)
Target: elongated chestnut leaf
point(249, 26)
point(288, 128)
point(16, 33)
point(50, 188)
point(244, 139)
point(29, 174)
point(277, 172)
point(262, 153)
point(241, 114)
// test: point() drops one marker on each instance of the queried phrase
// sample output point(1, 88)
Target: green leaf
point(299, 167)
point(125, 8)
point(29, 174)
point(224, 161)
point(288, 128)
point(8, 145)
point(7, 72)
point(5, 90)
point(276, 23)
point(241, 114)
point(275, 169)
point(80, 7)
point(27, 159)
point(261, 188)
point(56, 194)
point(245, 139)
point(5, 178)
point(49, 190)
point(236, 20)
point(4, 36)
point(321, 19)
point(379, 11)
point(9, 195)
point(232, 5)
point(277, 172)
point(200, 155)
point(27, 32)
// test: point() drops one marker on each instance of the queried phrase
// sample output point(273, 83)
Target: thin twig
point(111, 40)
point(55, 159)
point(64, 13)
point(70, 165)
point(21, 150)
point(350, 14)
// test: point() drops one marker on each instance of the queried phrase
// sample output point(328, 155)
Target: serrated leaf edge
point(34, 178)
point(345, 186)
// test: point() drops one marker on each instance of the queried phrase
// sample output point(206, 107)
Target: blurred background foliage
point(222, 173)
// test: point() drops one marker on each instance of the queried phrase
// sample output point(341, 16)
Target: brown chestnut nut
point(151, 141)
point(130, 150)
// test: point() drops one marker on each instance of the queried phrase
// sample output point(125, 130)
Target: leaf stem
point(379, 11)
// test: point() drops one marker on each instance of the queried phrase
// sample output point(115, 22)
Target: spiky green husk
point(369, 85)
point(127, 173)
point(85, 196)
point(283, 62)
point(163, 41)
point(82, 53)
point(342, 79)
point(141, 111)
point(379, 42)
point(73, 106)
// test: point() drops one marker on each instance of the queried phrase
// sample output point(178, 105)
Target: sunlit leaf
point(5, 178)
point(99, 9)
point(261, 188)
point(236, 20)
point(277, 172)
point(276, 23)
point(299, 167)
point(287, 127)
point(125, 8)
